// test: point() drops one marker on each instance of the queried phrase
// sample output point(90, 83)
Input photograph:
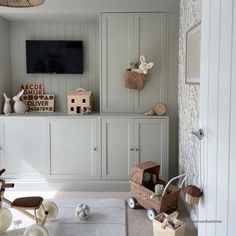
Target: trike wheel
point(151, 214)
point(36, 230)
point(132, 203)
point(52, 209)
point(5, 219)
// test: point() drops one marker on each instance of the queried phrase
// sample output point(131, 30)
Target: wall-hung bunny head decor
point(143, 66)
point(7, 106)
point(19, 106)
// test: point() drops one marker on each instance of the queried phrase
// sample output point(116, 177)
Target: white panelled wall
point(5, 74)
point(88, 31)
point(218, 116)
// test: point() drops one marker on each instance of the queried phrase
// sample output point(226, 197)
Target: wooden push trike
point(44, 211)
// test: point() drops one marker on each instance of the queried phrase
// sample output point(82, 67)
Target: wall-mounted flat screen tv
point(54, 56)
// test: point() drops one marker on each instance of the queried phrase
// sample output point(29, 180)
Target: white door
point(150, 40)
point(25, 148)
point(117, 148)
point(117, 54)
point(218, 118)
point(74, 149)
point(151, 143)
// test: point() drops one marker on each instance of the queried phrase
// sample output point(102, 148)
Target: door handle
point(199, 134)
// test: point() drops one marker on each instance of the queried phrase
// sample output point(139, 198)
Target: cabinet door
point(151, 142)
point(117, 148)
point(117, 54)
point(25, 148)
point(74, 149)
point(150, 41)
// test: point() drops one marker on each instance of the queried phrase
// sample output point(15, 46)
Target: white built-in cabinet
point(126, 36)
point(100, 148)
point(74, 148)
point(130, 141)
point(24, 147)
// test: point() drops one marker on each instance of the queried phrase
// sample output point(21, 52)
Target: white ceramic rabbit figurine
point(143, 66)
point(7, 106)
point(19, 106)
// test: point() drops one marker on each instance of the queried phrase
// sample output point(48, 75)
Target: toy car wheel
point(52, 209)
point(5, 219)
point(36, 230)
point(151, 214)
point(132, 203)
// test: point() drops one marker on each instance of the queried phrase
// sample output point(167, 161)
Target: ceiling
point(71, 9)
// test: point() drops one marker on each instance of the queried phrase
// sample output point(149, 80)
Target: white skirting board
point(69, 185)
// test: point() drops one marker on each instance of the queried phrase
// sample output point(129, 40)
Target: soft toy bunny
point(143, 66)
point(19, 106)
point(7, 106)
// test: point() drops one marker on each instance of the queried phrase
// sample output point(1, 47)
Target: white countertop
point(92, 115)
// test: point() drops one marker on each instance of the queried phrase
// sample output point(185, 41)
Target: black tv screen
point(60, 57)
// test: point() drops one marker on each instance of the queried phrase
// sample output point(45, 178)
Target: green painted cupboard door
point(150, 41)
point(117, 148)
point(151, 143)
point(74, 148)
point(117, 53)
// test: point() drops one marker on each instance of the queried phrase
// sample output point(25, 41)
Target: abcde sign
point(35, 100)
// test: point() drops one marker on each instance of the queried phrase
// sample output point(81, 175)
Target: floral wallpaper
point(188, 99)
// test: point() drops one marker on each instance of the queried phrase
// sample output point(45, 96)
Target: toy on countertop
point(19, 106)
point(159, 109)
point(79, 102)
point(143, 66)
point(193, 194)
point(7, 106)
point(82, 211)
point(149, 113)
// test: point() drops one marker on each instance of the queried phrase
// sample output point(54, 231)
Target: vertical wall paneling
point(5, 75)
point(218, 117)
point(172, 89)
point(224, 113)
point(57, 84)
point(232, 161)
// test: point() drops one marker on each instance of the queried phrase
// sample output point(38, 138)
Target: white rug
point(107, 218)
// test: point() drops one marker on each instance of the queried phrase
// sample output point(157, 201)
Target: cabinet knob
point(136, 149)
point(131, 149)
point(1, 148)
point(95, 149)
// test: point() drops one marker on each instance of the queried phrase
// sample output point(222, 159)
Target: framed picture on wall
point(193, 54)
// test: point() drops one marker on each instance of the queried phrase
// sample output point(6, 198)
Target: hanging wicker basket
point(134, 80)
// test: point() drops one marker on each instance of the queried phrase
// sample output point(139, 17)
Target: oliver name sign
point(39, 102)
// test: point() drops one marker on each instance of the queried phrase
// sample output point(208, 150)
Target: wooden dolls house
point(79, 102)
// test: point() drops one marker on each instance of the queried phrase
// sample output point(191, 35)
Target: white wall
point(4, 59)
point(88, 31)
point(218, 116)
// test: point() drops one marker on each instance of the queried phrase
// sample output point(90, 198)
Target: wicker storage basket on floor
point(134, 80)
point(143, 195)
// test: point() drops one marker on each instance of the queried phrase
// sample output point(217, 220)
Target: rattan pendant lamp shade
point(21, 3)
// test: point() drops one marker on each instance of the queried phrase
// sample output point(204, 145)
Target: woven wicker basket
point(134, 80)
point(143, 195)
